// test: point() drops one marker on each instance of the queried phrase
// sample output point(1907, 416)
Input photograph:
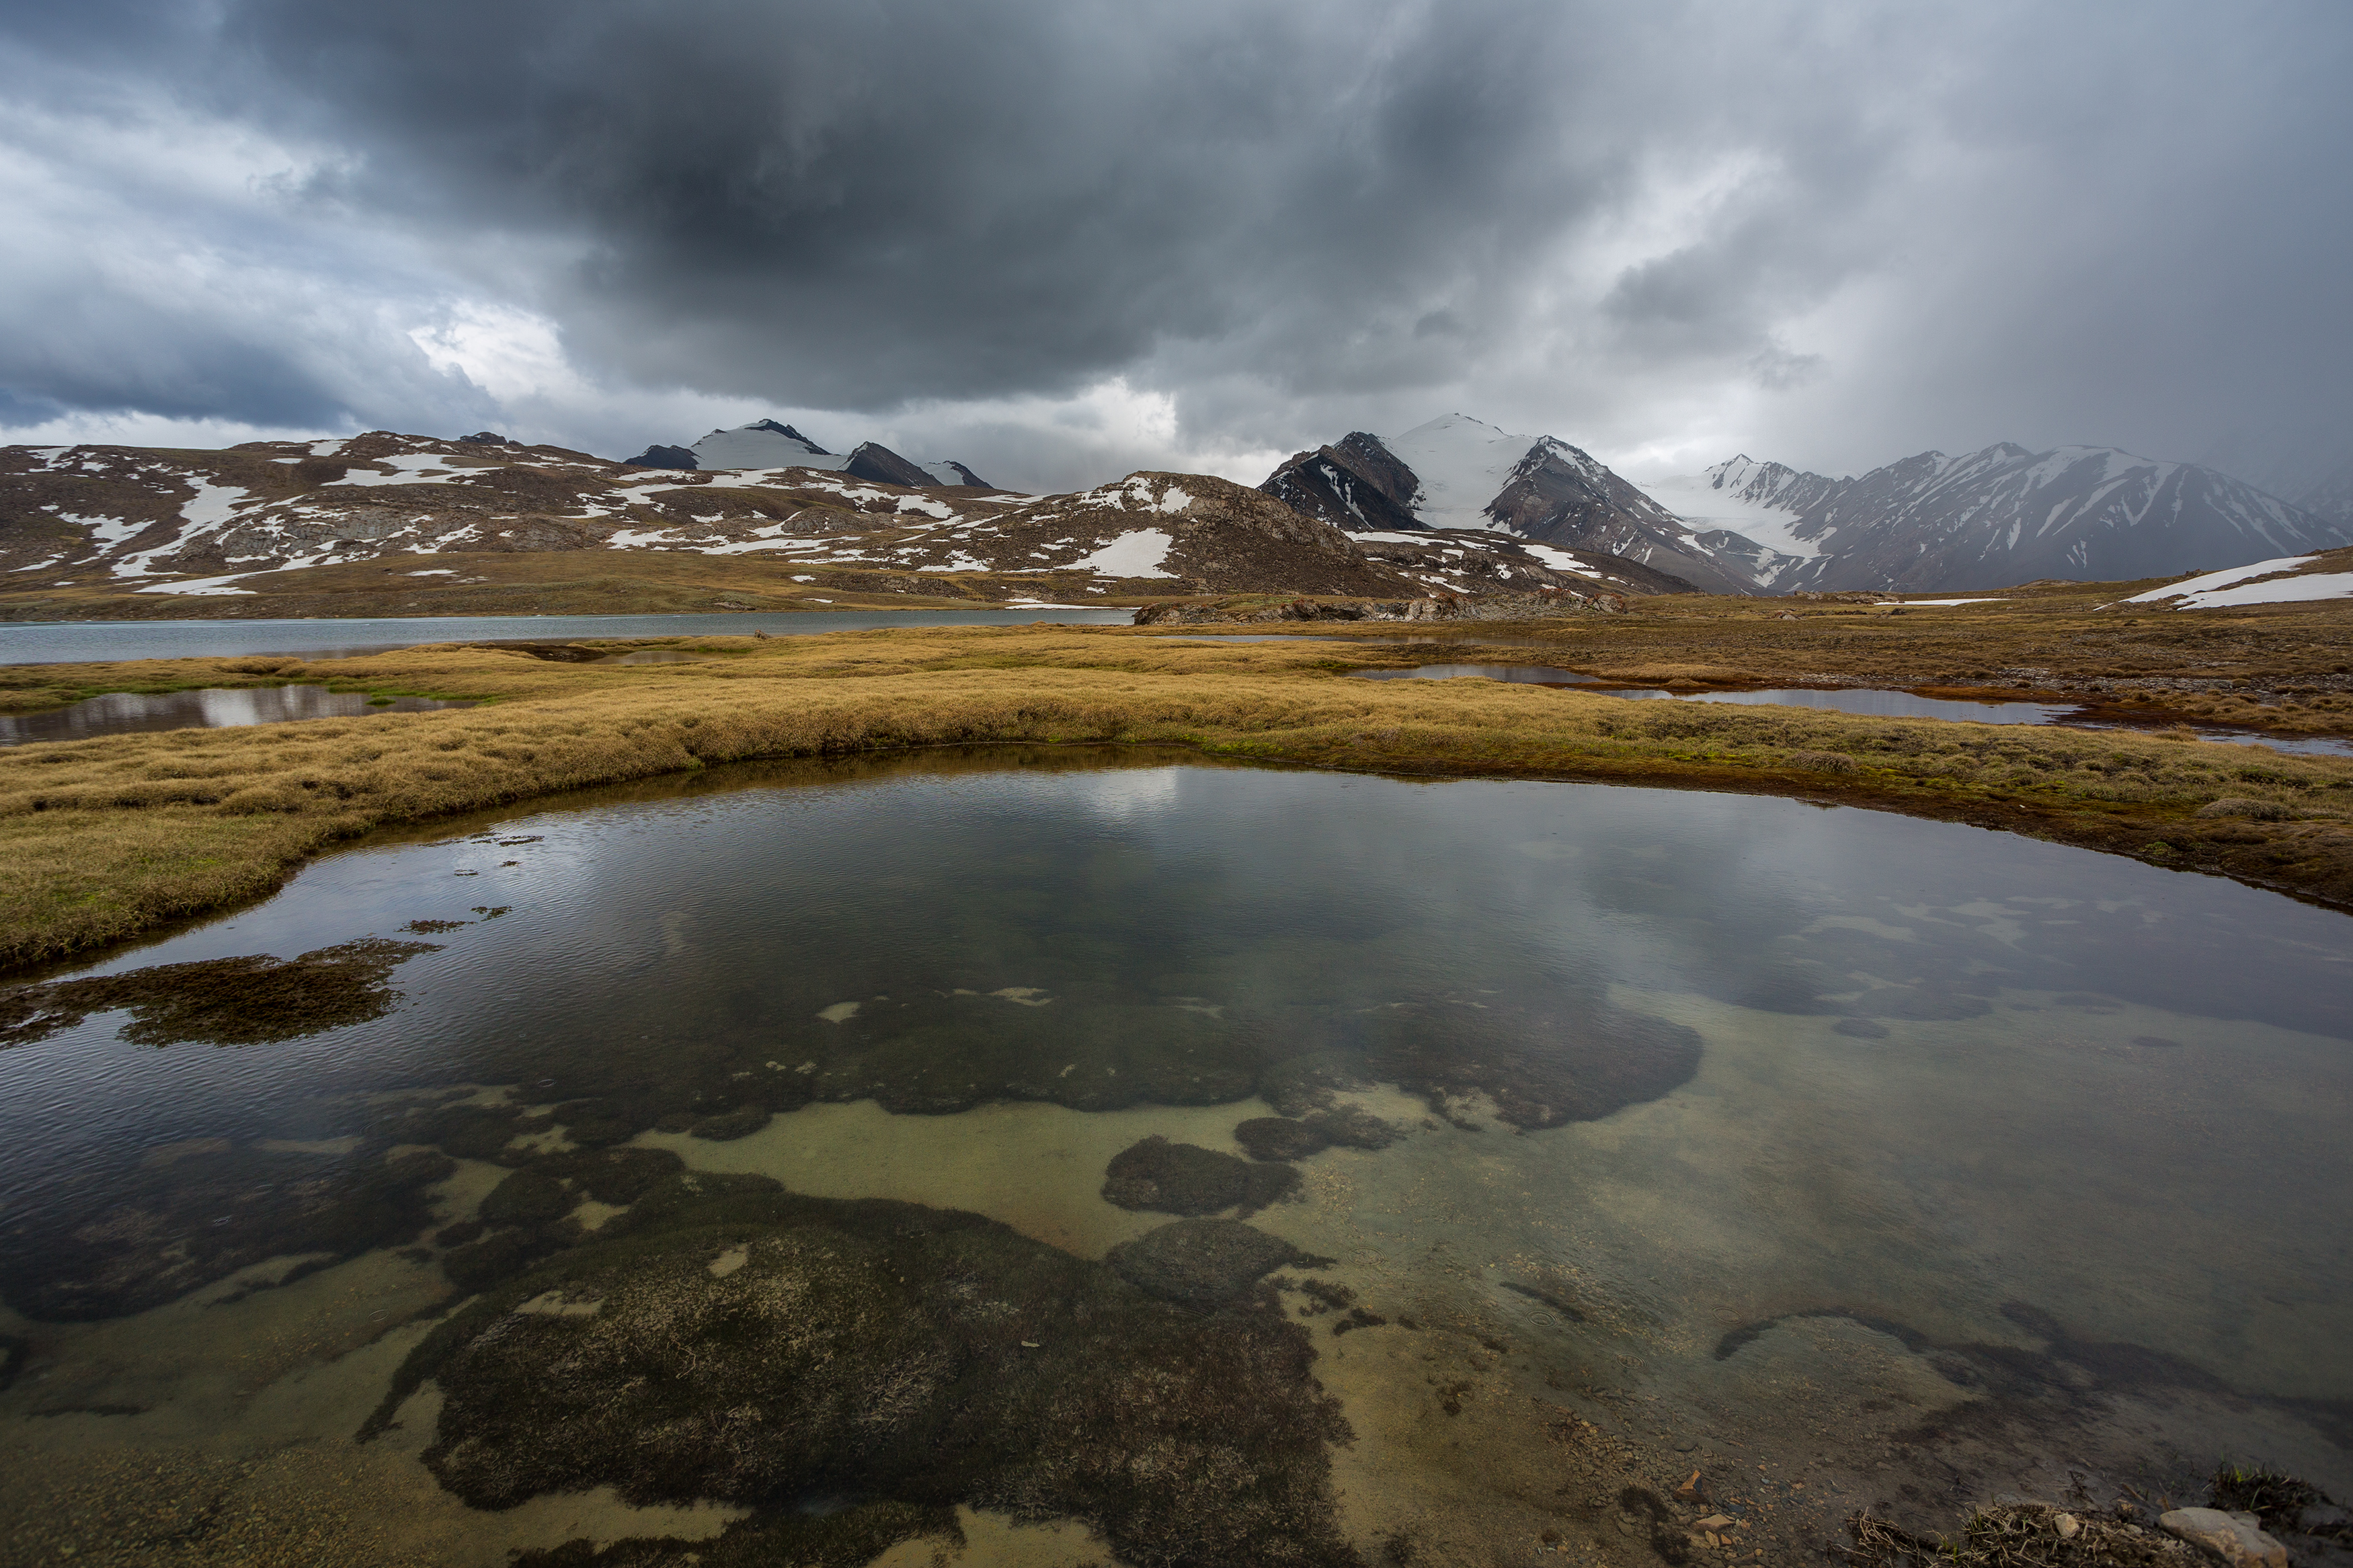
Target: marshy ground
point(110, 836)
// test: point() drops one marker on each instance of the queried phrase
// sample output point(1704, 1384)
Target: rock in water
point(1280, 1138)
point(527, 1197)
point(1185, 1178)
point(2236, 1538)
point(1203, 1262)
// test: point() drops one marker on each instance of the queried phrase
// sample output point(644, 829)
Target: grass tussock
point(111, 836)
point(2021, 1535)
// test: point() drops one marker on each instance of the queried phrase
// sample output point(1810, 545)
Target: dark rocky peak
point(1357, 485)
point(940, 472)
point(664, 458)
point(1558, 490)
point(878, 464)
point(789, 434)
point(1370, 460)
point(488, 438)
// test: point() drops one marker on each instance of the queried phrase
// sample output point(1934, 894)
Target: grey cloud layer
point(1857, 229)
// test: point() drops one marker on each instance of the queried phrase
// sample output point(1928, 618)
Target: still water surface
point(67, 642)
point(1759, 1134)
point(1876, 703)
point(130, 712)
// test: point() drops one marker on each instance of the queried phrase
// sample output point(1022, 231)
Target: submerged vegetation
point(110, 836)
point(223, 1001)
point(725, 1339)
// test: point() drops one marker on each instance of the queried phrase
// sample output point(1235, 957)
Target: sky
point(1062, 239)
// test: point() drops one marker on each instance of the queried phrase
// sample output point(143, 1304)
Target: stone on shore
point(2235, 1538)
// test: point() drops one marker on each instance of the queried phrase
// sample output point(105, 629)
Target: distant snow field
point(1694, 499)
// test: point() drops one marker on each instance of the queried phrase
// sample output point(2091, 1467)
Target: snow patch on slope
point(408, 469)
point(2278, 591)
point(2279, 584)
point(201, 587)
point(1139, 553)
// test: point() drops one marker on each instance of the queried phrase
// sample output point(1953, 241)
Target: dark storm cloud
point(1844, 231)
point(858, 204)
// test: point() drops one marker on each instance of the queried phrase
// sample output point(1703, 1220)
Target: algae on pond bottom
point(221, 1001)
point(734, 1342)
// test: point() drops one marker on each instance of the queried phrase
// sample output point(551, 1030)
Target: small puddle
point(1873, 703)
point(1869, 702)
point(2302, 745)
point(652, 656)
point(1358, 639)
point(131, 712)
point(1876, 704)
point(1518, 674)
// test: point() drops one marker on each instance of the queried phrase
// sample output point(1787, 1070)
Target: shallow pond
point(130, 712)
point(68, 642)
point(1843, 1158)
point(1875, 703)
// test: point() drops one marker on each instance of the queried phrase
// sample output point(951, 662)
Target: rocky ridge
point(202, 525)
point(765, 444)
point(1461, 477)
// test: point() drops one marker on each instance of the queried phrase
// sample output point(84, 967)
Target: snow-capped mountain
point(2002, 515)
point(2331, 499)
point(765, 444)
point(1462, 476)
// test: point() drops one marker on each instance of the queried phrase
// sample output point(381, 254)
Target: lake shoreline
point(117, 835)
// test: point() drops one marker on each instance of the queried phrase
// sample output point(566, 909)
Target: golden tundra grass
point(105, 838)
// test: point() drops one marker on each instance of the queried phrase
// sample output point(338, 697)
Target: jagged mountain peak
point(788, 433)
point(771, 444)
point(1457, 475)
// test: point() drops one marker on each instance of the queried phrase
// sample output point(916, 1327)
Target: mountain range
point(765, 444)
point(1452, 507)
point(146, 521)
point(1458, 478)
point(1997, 516)
point(1928, 523)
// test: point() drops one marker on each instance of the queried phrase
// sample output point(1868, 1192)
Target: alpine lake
point(1064, 1155)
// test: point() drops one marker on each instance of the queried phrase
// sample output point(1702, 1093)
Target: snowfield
point(1695, 498)
point(1462, 463)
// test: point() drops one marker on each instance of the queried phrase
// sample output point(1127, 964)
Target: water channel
point(1541, 1139)
point(1873, 702)
point(69, 642)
